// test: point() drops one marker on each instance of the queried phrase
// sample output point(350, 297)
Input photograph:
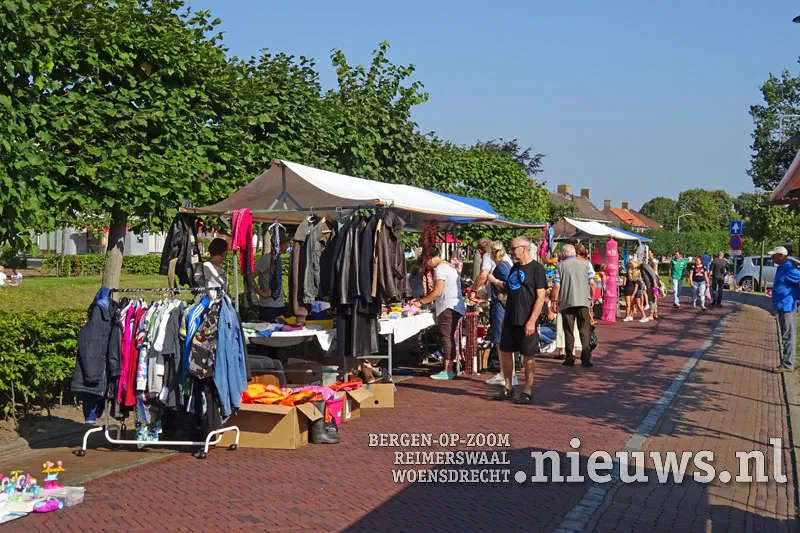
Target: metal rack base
point(216, 435)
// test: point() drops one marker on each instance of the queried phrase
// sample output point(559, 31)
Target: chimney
point(625, 205)
point(585, 193)
point(606, 205)
point(564, 189)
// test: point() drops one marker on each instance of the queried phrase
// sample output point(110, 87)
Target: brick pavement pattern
point(348, 487)
point(730, 403)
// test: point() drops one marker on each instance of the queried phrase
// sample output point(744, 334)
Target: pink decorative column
point(611, 295)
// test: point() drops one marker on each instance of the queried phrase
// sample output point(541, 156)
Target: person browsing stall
point(448, 303)
point(572, 296)
point(526, 292)
point(216, 281)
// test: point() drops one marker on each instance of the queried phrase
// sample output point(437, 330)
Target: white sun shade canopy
point(595, 229)
point(288, 186)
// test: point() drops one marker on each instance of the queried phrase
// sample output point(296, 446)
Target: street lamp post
point(679, 220)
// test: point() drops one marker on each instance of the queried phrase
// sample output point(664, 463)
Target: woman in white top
point(212, 269)
point(448, 304)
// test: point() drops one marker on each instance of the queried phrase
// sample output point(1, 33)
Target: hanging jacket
point(98, 361)
point(230, 376)
point(181, 247)
point(203, 353)
point(392, 279)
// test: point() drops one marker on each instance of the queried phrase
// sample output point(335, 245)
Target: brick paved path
point(731, 402)
point(349, 486)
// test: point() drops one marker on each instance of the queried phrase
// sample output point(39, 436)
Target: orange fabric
point(260, 393)
point(299, 397)
point(352, 383)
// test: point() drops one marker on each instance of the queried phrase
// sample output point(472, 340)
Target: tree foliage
point(711, 210)
point(662, 210)
point(770, 158)
point(114, 112)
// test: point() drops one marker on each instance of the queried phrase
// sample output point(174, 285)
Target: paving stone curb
point(578, 517)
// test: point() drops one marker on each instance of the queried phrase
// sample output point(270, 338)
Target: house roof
point(634, 218)
point(648, 221)
point(586, 209)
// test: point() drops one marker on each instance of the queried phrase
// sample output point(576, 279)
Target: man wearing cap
point(785, 294)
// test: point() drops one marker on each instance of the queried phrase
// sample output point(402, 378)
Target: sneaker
point(647, 307)
point(500, 380)
point(496, 380)
point(550, 348)
point(628, 319)
point(443, 375)
point(644, 319)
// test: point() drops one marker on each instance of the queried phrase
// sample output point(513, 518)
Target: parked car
point(748, 271)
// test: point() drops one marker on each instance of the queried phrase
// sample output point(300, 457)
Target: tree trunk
point(116, 246)
point(63, 251)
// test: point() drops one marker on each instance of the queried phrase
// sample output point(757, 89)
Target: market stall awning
point(485, 206)
point(789, 183)
point(585, 230)
point(288, 191)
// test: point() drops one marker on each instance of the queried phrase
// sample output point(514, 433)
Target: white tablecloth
point(405, 328)
point(283, 339)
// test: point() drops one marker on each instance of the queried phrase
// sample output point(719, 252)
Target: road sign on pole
point(735, 253)
point(736, 242)
point(737, 227)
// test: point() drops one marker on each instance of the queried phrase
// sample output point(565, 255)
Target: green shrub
point(37, 356)
point(141, 264)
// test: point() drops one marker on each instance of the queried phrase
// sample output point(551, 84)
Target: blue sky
point(633, 101)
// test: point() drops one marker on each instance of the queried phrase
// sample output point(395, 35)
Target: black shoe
point(504, 395)
point(560, 357)
point(569, 362)
point(523, 399)
point(587, 364)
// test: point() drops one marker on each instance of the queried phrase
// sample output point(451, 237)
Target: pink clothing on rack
point(133, 361)
point(125, 352)
point(242, 237)
point(287, 327)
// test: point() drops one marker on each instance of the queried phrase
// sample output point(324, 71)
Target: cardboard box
point(382, 396)
point(272, 426)
point(267, 379)
point(353, 401)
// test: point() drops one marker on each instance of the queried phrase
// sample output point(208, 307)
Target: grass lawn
point(48, 294)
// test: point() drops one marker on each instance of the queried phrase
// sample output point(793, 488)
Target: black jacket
point(98, 363)
point(181, 244)
point(392, 279)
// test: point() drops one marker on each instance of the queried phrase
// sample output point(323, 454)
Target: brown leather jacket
point(392, 280)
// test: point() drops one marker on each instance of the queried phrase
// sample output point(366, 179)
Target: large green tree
point(774, 123)
point(662, 210)
point(711, 210)
point(131, 96)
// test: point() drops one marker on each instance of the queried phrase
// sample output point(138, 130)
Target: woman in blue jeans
point(497, 312)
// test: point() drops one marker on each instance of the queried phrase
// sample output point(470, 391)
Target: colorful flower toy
point(6, 485)
point(52, 470)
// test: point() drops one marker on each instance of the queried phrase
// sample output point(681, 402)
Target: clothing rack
point(121, 428)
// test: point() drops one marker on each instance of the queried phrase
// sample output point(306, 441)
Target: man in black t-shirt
point(719, 268)
point(525, 288)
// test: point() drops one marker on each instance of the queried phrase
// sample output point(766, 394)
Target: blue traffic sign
point(737, 227)
point(736, 242)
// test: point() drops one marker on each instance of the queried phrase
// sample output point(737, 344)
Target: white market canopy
point(789, 183)
point(590, 229)
point(288, 191)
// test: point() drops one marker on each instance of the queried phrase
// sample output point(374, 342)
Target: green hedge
point(37, 357)
point(92, 265)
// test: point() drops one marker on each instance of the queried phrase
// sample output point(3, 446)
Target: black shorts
point(515, 340)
